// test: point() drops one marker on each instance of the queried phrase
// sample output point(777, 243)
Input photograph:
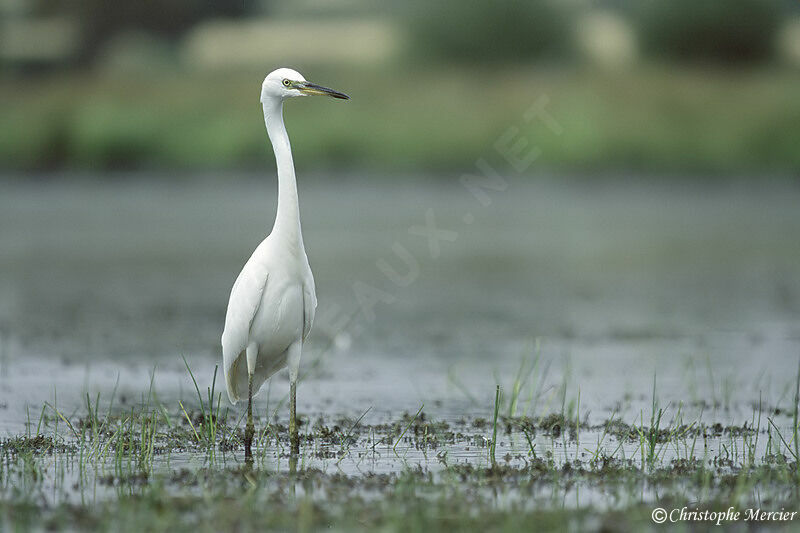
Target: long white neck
point(287, 220)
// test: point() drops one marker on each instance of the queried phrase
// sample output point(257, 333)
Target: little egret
point(273, 300)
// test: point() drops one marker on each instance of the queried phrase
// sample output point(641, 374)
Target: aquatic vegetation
point(182, 467)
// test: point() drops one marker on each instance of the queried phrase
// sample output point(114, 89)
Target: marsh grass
point(493, 447)
point(793, 446)
point(348, 439)
point(209, 426)
point(542, 463)
point(400, 438)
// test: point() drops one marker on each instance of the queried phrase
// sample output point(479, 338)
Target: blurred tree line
point(731, 31)
point(719, 31)
point(101, 20)
point(649, 118)
point(507, 31)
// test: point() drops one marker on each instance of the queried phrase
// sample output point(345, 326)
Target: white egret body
point(272, 303)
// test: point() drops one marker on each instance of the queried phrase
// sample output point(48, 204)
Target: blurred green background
point(658, 86)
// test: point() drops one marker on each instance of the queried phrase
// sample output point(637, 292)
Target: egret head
point(286, 83)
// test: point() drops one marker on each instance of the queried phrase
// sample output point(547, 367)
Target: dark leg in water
point(293, 434)
point(249, 430)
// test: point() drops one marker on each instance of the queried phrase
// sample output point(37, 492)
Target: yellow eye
point(286, 83)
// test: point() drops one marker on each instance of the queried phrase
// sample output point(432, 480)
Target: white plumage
point(271, 308)
point(272, 303)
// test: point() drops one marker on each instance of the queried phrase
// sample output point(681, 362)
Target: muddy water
point(600, 284)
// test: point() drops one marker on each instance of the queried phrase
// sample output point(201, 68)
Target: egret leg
point(249, 430)
point(293, 434)
point(293, 362)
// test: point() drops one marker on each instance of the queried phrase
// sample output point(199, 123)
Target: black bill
point(312, 88)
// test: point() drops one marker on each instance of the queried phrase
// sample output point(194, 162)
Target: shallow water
point(603, 284)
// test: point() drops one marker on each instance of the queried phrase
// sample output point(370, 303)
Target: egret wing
point(242, 308)
point(309, 306)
